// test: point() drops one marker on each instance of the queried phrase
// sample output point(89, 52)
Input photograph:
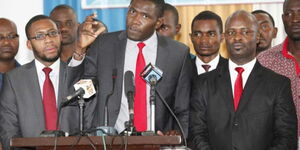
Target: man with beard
point(241, 104)
point(132, 50)
point(9, 45)
point(206, 36)
point(266, 28)
point(285, 58)
point(32, 93)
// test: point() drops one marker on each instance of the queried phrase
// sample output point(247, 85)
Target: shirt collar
point(247, 67)
point(213, 63)
point(288, 55)
point(150, 41)
point(55, 66)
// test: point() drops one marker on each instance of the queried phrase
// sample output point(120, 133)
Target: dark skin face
point(169, 27)
point(8, 47)
point(67, 23)
point(206, 38)
point(241, 38)
point(45, 50)
point(291, 19)
point(142, 20)
point(266, 30)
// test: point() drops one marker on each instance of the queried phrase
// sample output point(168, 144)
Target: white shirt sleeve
point(75, 63)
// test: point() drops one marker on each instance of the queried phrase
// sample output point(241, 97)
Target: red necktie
point(206, 67)
point(49, 102)
point(140, 105)
point(238, 87)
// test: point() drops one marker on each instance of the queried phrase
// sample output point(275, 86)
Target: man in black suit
point(242, 105)
point(206, 36)
point(120, 51)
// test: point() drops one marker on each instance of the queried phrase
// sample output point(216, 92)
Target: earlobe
point(29, 46)
point(178, 27)
point(275, 32)
point(159, 23)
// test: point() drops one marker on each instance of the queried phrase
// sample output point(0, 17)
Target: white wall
point(20, 11)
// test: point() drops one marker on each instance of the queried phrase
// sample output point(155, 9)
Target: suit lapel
point(253, 81)
point(162, 55)
point(61, 84)
point(224, 84)
point(36, 100)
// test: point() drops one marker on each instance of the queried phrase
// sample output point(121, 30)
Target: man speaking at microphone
point(32, 94)
point(132, 50)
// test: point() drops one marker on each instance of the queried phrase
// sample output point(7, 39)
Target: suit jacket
point(21, 107)
point(265, 118)
point(108, 52)
point(222, 61)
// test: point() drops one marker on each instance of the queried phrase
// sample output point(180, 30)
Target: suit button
point(234, 148)
point(235, 124)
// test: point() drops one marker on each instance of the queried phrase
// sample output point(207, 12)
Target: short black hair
point(264, 12)
point(171, 8)
point(208, 15)
point(159, 6)
point(63, 6)
point(32, 20)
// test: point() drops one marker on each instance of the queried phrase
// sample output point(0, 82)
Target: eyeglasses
point(9, 37)
point(42, 36)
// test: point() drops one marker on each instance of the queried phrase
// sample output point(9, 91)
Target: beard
point(43, 57)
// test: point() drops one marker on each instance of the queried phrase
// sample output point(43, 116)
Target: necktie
point(238, 87)
point(49, 102)
point(140, 105)
point(206, 67)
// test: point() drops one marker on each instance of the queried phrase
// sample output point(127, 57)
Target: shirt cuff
point(75, 63)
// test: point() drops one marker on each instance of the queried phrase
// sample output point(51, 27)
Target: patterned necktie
point(238, 87)
point(49, 102)
point(206, 67)
point(140, 105)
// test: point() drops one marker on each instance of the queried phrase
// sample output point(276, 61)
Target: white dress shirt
point(213, 64)
point(131, 53)
point(54, 75)
point(247, 70)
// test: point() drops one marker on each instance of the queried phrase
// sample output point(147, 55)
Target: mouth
point(6, 49)
point(238, 46)
point(133, 29)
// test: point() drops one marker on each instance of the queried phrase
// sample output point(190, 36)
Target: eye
point(288, 14)
point(230, 33)
point(40, 36)
point(12, 36)
point(69, 23)
point(212, 34)
point(145, 16)
point(53, 33)
point(197, 34)
point(131, 11)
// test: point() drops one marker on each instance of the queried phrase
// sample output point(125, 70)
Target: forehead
point(292, 5)
point(42, 26)
point(7, 27)
point(262, 17)
point(63, 14)
point(240, 22)
point(205, 25)
point(143, 6)
point(169, 17)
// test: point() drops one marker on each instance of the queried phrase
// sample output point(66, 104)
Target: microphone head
point(128, 82)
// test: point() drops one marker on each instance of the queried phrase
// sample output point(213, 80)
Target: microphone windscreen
point(128, 82)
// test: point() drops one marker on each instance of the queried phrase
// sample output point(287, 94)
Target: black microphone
point(107, 130)
point(129, 91)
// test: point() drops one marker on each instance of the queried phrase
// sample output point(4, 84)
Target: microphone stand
point(81, 104)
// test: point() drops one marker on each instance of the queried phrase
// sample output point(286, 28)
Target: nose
point(296, 17)
point(237, 36)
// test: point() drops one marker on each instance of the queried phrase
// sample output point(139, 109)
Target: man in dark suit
point(206, 36)
point(32, 93)
point(120, 51)
point(242, 105)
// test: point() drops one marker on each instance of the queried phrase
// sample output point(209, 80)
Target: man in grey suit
point(32, 93)
point(120, 51)
point(242, 105)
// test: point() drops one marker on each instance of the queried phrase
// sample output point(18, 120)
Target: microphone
point(152, 75)
point(106, 130)
point(84, 87)
point(129, 91)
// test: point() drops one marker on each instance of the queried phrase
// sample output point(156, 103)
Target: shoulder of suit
point(19, 70)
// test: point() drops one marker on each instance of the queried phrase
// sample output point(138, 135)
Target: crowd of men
point(250, 100)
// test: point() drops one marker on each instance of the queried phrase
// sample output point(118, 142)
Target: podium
point(84, 143)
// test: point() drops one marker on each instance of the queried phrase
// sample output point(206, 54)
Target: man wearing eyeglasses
point(242, 105)
point(9, 45)
point(32, 95)
point(206, 36)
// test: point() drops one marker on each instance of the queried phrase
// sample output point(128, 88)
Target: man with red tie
point(132, 50)
point(206, 36)
point(242, 105)
point(32, 93)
